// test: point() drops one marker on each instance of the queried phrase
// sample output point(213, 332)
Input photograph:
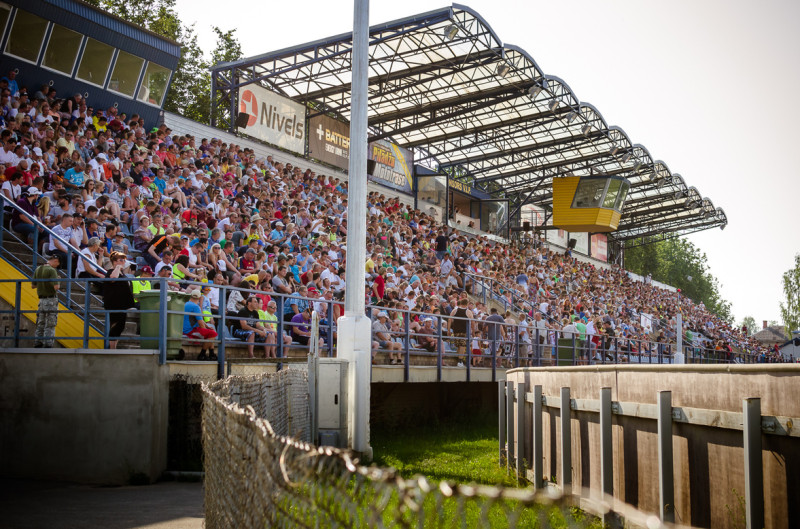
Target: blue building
point(76, 48)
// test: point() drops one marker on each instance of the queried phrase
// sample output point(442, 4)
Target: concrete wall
point(708, 462)
point(83, 416)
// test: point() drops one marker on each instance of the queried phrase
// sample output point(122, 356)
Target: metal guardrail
point(501, 344)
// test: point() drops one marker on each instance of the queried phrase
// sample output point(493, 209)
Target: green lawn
point(457, 452)
point(465, 452)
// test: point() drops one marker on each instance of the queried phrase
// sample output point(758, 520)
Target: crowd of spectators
point(149, 201)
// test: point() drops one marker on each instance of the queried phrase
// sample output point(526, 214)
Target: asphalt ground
point(52, 505)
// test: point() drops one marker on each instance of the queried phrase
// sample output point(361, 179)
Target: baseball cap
point(382, 314)
point(196, 294)
point(253, 278)
point(34, 192)
point(147, 270)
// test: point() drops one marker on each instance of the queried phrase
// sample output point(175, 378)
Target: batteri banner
point(329, 141)
point(392, 165)
point(273, 118)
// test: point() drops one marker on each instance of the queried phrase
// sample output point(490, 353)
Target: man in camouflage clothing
point(47, 316)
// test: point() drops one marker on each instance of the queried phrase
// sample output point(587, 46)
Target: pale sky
point(707, 86)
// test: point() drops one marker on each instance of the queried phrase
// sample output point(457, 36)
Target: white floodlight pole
point(355, 336)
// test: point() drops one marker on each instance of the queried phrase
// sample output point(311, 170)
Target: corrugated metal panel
point(105, 28)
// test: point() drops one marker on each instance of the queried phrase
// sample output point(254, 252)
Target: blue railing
point(483, 346)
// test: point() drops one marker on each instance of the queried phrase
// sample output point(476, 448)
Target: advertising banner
point(600, 247)
point(329, 141)
point(558, 237)
point(392, 165)
point(273, 118)
point(581, 242)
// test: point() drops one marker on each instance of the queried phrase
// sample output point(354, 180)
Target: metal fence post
point(222, 303)
point(407, 352)
point(35, 260)
point(162, 320)
point(538, 439)
point(665, 462)
point(279, 338)
point(439, 349)
point(87, 303)
point(69, 274)
point(18, 312)
point(574, 351)
point(606, 440)
point(516, 345)
point(469, 350)
point(566, 441)
point(501, 419)
point(509, 423)
point(330, 329)
point(753, 470)
point(520, 430)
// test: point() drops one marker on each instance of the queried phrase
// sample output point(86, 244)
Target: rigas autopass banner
point(273, 118)
point(392, 167)
point(329, 141)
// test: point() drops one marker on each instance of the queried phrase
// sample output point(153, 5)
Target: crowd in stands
point(127, 193)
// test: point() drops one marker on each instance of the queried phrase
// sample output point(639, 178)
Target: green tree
point(750, 323)
point(190, 90)
point(678, 262)
point(790, 307)
point(228, 48)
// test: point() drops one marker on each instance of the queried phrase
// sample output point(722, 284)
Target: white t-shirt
point(82, 263)
point(13, 190)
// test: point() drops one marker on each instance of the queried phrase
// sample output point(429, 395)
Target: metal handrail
point(518, 351)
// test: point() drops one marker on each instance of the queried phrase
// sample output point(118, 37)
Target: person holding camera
point(118, 297)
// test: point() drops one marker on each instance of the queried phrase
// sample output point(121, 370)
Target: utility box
point(328, 389)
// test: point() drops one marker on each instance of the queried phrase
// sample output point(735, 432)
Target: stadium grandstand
point(467, 135)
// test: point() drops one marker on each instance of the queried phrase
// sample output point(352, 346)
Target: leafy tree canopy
point(790, 307)
point(190, 90)
point(678, 262)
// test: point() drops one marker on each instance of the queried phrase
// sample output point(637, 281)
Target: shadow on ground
point(36, 504)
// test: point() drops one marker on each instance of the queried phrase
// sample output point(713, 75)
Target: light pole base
point(355, 346)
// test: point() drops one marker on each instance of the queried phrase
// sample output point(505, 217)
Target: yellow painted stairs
point(69, 323)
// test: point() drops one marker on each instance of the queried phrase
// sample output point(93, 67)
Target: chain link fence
point(258, 476)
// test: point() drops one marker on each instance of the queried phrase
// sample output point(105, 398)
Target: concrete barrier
point(709, 459)
point(83, 415)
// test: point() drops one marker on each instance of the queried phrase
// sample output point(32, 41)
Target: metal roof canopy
point(443, 84)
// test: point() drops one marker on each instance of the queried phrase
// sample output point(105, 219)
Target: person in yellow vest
point(143, 283)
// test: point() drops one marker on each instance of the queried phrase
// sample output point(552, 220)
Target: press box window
point(27, 34)
point(589, 193)
point(154, 84)
point(95, 62)
point(62, 49)
point(126, 73)
point(5, 12)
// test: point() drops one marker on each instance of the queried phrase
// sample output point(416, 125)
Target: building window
point(589, 193)
point(95, 61)
point(5, 12)
point(62, 49)
point(154, 84)
point(125, 74)
point(27, 34)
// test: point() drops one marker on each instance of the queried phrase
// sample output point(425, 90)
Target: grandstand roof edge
point(116, 18)
point(341, 37)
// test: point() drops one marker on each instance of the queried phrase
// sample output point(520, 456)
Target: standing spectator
point(496, 331)
point(118, 296)
point(47, 315)
point(462, 317)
